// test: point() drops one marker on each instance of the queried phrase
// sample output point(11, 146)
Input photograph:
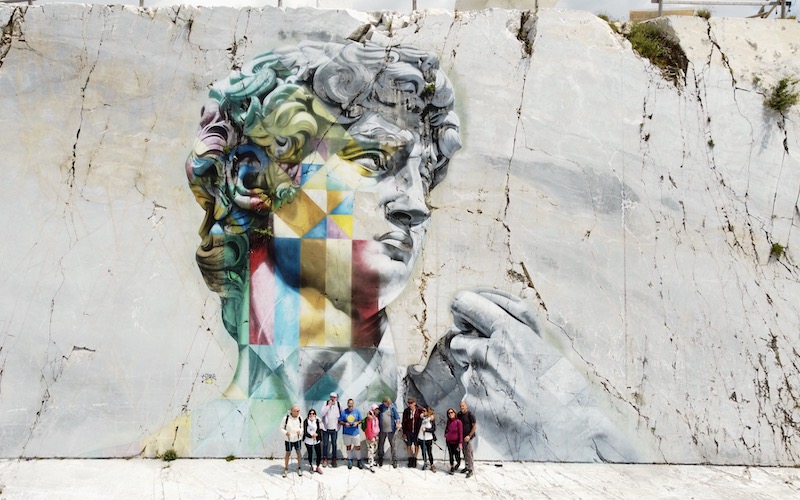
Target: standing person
point(372, 431)
point(292, 429)
point(454, 436)
point(351, 433)
point(470, 426)
point(411, 423)
point(330, 428)
point(388, 420)
point(312, 429)
point(426, 436)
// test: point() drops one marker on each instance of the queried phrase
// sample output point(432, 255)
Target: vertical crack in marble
point(725, 60)
point(422, 318)
point(11, 31)
point(236, 56)
point(526, 34)
point(455, 27)
point(71, 174)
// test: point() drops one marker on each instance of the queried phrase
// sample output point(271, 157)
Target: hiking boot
point(433, 468)
point(380, 462)
point(453, 468)
point(469, 474)
point(349, 464)
point(394, 463)
point(361, 464)
point(324, 463)
point(319, 469)
point(285, 472)
point(299, 471)
point(333, 464)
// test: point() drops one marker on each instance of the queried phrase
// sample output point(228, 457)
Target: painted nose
point(409, 209)
point(406, 214)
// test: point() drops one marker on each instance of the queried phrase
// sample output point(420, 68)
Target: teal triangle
point(319, 231)
point(344, 208)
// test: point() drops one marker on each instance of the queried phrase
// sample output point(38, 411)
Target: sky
point(616, 9)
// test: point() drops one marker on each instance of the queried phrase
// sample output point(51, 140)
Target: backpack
point(286, 422)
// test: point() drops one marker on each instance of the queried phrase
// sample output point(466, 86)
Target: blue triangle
point(319, 231)
point(309, 169)
point(344, 208)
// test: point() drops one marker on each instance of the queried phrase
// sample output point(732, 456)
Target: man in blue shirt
point(351, 433)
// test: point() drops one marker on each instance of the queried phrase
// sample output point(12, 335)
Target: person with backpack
point(330, 428)
point(426, 436)
point(371, 432)
point(292, 429)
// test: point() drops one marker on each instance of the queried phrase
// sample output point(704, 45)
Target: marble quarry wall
point(213, 214)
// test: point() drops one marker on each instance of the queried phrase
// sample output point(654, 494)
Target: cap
point(334, 395)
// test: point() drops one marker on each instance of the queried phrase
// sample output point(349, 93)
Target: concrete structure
point(648, 229)
point(643, 15)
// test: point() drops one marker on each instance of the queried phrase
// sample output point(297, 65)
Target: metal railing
point(763, 4)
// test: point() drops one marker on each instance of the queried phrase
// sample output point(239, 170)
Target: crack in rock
point(11, 31)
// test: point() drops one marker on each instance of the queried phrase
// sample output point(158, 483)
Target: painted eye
point(374, 161)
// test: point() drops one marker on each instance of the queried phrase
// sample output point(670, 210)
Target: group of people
point(381, 422)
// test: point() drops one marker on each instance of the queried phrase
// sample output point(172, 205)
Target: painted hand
point(530, 402)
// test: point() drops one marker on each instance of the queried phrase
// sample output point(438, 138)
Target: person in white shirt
point(292, 429)
point(426, 437)
point(330, 428)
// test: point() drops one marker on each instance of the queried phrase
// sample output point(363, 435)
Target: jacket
point(394, 413)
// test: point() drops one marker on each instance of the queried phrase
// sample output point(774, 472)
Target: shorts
point(410, 439)
point(289, 446)
point(349, 440)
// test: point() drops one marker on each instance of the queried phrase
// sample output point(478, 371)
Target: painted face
point(350, 238)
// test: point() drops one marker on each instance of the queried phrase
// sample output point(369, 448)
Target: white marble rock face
point(635, 217)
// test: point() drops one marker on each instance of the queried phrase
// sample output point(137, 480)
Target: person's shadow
point(277, 470)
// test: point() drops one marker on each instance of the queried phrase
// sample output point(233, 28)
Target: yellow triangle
point(345, 222)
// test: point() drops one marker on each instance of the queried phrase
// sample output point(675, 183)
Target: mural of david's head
point(313, 164)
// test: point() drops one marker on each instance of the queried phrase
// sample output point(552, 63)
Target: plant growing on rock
point(612, 23)
point(783, 95)
point(704, 13)
point(653, 41)
point(777, 250)
point(169, 455)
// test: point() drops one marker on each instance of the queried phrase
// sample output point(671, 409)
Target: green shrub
point(169, 455)
point(230, 458)
point(777, 250)
point(704, 13)
point(782, 96)
point(651, 40)
point(612, 23)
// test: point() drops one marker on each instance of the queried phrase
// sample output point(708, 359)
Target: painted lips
point(397, 245)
